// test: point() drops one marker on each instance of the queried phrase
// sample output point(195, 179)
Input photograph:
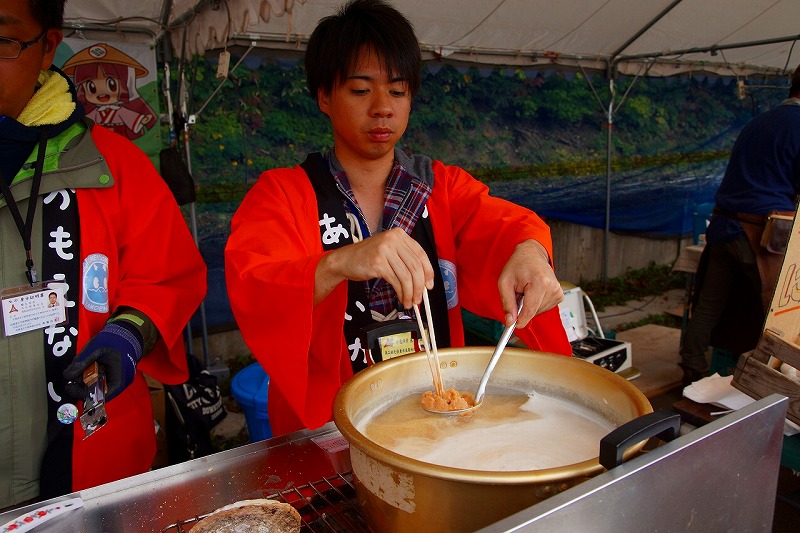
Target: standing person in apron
point(84, 215)
point(353, 235)
point(744, 251)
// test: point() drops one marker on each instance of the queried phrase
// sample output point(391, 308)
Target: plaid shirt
point(404, 203)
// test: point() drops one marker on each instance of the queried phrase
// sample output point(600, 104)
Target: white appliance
point(588, 344)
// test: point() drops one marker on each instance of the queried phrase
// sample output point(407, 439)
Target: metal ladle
point(498, 351)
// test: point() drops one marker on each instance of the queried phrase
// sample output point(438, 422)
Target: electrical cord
point(594, 316)
point(660, 291)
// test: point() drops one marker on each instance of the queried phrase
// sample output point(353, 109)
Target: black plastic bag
point(194, 409)
point(176, 174)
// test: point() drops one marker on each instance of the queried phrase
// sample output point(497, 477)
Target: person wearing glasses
point(83, 213)
point(354, 235)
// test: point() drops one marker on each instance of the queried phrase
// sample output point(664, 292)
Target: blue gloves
point(118, 349)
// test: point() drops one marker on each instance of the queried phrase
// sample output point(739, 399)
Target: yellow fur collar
point(51, 103)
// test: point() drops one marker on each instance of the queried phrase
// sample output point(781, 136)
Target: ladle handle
point(498, 351)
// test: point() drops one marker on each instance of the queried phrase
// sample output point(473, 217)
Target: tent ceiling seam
point(751, 20)
point(553, 46)
point(634, 37)
point(479, 24)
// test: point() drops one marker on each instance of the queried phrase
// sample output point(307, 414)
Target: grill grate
point(328, 504)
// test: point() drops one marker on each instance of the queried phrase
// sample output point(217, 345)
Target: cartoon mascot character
point(106, 82)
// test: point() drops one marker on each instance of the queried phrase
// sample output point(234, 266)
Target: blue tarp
point(655, 202)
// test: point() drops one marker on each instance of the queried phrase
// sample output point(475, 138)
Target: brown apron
point(769, 264)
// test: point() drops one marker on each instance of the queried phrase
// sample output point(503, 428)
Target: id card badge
point(397, 345)
point(390, 338)
point(30, 308)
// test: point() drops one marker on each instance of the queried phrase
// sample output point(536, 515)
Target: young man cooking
point(84, 207)
point(355, 234)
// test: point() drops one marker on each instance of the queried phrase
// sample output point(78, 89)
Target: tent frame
point(610, 66)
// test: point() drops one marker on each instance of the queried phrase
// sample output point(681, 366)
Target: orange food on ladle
point(449, 400)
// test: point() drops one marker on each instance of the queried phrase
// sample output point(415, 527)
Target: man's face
point(368, 111)
point(18, 76)
point(53, 299)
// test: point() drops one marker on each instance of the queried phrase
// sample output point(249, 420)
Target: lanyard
point(26, 228)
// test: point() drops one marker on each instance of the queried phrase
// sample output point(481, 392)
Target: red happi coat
point(155, 267)
point(271, 259)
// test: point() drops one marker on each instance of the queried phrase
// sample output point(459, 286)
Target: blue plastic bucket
point(249, 389)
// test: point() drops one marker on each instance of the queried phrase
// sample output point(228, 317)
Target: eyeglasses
point(11, 48)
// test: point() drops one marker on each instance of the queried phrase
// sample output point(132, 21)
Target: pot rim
point(586, 468)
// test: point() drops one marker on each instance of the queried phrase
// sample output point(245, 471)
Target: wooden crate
point(757, 376)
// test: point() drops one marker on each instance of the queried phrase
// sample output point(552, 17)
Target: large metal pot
point(397, 493)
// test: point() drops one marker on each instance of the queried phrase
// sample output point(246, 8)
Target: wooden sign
point(784, 313)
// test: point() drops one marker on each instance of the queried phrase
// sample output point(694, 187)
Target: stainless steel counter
point(154, 500)
point(720, 477)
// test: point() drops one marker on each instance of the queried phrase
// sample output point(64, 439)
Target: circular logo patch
point(67, 413)
point(95, 283)
point(448, 270)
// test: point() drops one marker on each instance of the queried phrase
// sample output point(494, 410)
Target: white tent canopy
point(633, 37)
point(739, 38)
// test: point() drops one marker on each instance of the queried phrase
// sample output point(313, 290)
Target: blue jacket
point(763, 173)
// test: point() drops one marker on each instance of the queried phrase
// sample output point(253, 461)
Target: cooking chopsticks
point(432, 352)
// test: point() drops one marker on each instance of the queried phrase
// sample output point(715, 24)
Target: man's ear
point(51, 40)
point(323, 101)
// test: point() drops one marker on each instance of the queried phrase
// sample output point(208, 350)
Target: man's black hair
point(335, 43)
point(794, 90)
point(48, 13)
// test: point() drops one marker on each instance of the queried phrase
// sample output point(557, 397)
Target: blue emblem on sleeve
point(95, 283)
point(448, 271)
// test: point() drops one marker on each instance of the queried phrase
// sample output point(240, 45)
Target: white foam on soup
point(510, 431)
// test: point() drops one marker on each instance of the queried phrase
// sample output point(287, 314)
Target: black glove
point(118, 349)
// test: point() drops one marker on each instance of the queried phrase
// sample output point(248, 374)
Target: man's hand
point(118, 349)
point(391, 255)
point(528, 272)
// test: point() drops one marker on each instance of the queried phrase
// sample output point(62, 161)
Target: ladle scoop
point(498, 351)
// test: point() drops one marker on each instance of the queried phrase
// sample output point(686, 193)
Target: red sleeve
point(485, 230)
point(156, 268)
point(270, 264)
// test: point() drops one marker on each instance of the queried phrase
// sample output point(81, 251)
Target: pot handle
point(663, 424)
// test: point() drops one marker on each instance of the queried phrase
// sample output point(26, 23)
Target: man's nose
point(381, 105)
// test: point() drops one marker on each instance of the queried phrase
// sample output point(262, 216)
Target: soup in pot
point(510, 431)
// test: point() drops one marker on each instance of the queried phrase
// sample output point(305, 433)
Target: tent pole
point(183, 105)
point(173, 141)
point(609, 148)
point(191, 119)
point(193, 219)
point(609, 144)
point(192, 214)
